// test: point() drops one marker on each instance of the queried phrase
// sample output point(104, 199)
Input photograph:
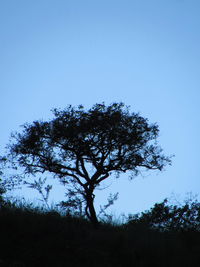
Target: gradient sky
point(145, 53)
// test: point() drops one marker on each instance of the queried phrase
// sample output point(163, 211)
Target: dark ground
point(31, 238)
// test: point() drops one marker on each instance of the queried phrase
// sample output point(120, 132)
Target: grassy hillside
point(30, 238)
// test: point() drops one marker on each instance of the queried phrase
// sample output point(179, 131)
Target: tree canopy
point(84, 147)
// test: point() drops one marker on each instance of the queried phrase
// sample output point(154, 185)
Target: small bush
point(165, 217)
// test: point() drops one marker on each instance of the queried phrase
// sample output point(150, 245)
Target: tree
point(83, 148)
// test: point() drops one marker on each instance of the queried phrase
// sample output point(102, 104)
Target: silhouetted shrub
point(165, 217)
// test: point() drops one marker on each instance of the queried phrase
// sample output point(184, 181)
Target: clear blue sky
point(144, 53)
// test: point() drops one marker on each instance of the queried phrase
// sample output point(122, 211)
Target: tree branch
point(86, 176)
point(102, 178)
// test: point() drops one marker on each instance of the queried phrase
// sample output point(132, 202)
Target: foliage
point(43, 190)
point(8, 180)
point(2, 183)
point(83, 148)
point(110, 201)
point(2, 191)
point(2, 186)
point(166, 217)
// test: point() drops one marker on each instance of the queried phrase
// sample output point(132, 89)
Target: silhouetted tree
point(83, 148)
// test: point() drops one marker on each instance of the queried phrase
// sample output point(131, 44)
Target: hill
point(31, 237)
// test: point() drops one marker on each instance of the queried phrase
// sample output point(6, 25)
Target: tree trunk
point(90, 210)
